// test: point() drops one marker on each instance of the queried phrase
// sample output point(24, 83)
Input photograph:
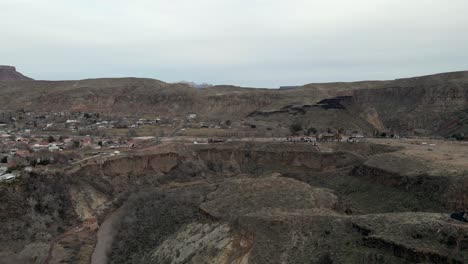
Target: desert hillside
point(433, 105)
point(9, 73)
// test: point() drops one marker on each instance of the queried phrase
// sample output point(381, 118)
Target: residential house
point(54, 147)
point(326, 137)
point(40, 145)
point(357, 138)
point(86, 142)
point(11, 163)
point(301, 139)
point(23, 153)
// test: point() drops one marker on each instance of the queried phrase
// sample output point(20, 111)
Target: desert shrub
point(50, 139)
point(311, 130)
point(458, 136)
point(151, 218)
point(76, 144)
point(295, 128)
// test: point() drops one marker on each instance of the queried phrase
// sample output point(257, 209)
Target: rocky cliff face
point(436, 185)
point(229, 207)
point(246, 203)
point(430, 103)
point(9, 73)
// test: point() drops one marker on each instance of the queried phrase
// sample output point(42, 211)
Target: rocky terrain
point(254, 199)
point(242, 203)
point(9, 73)
point(428, 105)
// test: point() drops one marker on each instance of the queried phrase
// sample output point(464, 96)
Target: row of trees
point(296, 128)
point(459, 136)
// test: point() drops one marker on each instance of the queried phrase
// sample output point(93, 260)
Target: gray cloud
point(252, 43)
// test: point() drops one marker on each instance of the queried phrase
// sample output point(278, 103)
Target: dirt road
point(105, 237)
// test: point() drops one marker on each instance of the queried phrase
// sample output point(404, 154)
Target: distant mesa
point(197, 85)
point(289, 87)
point(9, 73)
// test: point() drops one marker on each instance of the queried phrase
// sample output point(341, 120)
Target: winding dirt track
point(105, 237)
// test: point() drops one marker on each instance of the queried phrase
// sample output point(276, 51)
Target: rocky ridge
point(9, 73)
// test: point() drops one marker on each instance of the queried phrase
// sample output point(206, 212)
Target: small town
point(30, 141)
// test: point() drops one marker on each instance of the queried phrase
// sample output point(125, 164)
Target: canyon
point(252, 202)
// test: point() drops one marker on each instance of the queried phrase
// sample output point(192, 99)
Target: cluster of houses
point(59, 121)
point(329, 137)
point(23, 149)
point(145, 121)
point(80, 124)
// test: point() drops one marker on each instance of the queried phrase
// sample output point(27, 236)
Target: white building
point(7, 177)
point(53, 147)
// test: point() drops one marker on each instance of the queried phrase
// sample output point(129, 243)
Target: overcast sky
point(243, 42)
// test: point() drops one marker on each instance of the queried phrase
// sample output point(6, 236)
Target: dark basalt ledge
point(4, 67)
